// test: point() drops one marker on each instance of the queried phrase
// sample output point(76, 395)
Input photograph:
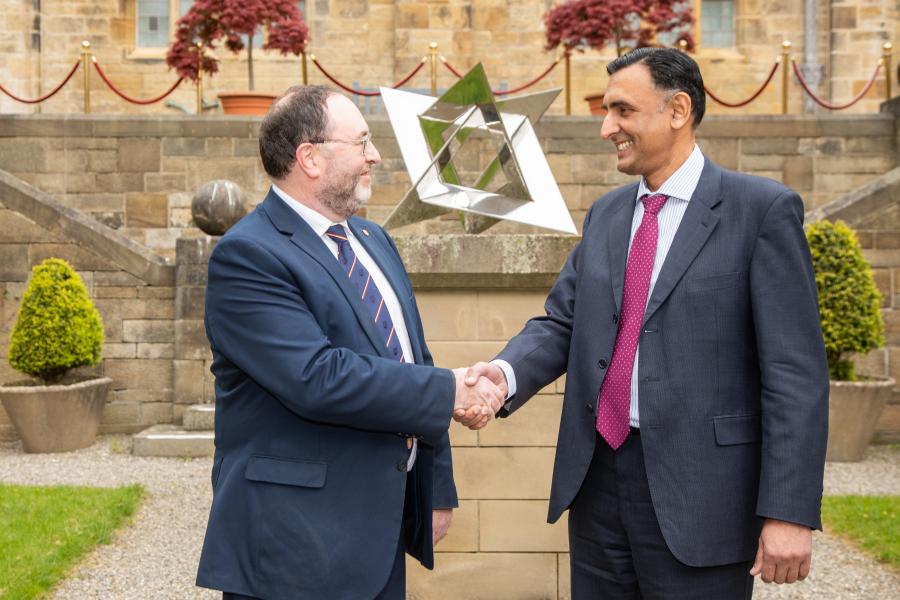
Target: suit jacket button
point(602, 363)
point(615, 318)
point(401, 466)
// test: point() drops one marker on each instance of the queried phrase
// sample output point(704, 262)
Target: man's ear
point(308, 160)
point(680, 106)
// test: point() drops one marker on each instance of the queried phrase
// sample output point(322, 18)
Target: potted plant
point(237, 21)
point(628, 24)
point(57, 329)
point(852, 324)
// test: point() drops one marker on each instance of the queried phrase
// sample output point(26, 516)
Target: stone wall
point(139, 173)
point(133, 289)
point(474, 292)
point(367, 43)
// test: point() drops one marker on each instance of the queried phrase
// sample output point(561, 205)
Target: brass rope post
point(305, 76)
point(886, 61)
point(682, 45)
point(785, 74)
point(86, 66)
point(568, 84)
point(432, 52)
point(199, 47)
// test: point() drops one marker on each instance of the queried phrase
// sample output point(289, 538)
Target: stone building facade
point(474, 291)
point(367, 43)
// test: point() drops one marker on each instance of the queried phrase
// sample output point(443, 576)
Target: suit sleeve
point(257, 318)
point(793, 369)
point(539, 354)
point(444, 488)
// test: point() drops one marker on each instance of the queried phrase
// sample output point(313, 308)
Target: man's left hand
point(440, 523)
point(785, 551)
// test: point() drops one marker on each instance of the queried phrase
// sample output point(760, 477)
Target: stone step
point(199, 417)
point(171, 440)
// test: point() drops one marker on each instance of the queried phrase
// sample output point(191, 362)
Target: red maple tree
point(580, 24)
point(237, 21)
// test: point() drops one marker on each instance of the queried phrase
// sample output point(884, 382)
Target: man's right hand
point(477, 402)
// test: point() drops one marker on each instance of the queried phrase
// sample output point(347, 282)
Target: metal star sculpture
point(437, 138)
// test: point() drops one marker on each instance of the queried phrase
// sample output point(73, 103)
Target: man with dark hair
point(332, 457)
point(692, 444)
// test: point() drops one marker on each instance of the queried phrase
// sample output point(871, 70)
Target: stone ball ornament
point(217, 205)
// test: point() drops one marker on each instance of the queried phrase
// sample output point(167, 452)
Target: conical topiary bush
point(850, 314)
point(58, 327)
point(849, 300)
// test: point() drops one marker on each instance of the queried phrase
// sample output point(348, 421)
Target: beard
point(344, 194)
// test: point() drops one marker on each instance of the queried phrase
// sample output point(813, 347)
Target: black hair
point(671, 71)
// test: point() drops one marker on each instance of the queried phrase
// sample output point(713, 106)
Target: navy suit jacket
point(733, 382)
point(309, 474)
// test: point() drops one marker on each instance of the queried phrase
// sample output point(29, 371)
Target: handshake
point(480, 392)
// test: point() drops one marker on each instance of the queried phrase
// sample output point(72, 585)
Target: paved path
point(157, 556)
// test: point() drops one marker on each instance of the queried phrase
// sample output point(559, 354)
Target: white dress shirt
point(320, 224)
point(679, 187)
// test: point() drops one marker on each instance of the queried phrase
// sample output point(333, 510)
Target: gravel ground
point(156, 557)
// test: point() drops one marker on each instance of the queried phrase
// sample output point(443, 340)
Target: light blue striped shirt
point(679, 187)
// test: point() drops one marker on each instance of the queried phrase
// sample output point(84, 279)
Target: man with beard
point(332, 457)
point(692, 444)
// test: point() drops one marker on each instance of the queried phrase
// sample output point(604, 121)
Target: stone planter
point(853, 411)
point(246, 103)
point(56, 418)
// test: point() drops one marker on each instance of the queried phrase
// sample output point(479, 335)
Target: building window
point(717, 23)
point(155, 28)
point(153, 23)
point(670, 38)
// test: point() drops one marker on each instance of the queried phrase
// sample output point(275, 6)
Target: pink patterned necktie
point(615, 393)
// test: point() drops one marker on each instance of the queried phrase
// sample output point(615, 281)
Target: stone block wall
point(138, 174)
point(367, 43)
point(133, 290)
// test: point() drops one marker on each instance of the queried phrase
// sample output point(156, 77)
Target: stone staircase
point(193, 438)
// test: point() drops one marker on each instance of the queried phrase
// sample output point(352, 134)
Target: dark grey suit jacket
point(733, 384)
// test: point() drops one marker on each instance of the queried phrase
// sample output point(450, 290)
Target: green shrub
point(58, 327)
point(849, 300)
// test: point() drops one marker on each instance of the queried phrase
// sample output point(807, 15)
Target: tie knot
point(337, 233)
point(654, 203)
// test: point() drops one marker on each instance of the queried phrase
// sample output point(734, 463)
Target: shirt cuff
point(509, 374)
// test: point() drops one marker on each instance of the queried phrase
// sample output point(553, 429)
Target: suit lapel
point(698, 223)
point(619, 234)
point(396, 279)
point(302, 236)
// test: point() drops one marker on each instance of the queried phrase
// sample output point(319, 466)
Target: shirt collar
point(682, 183)
point(316, 220)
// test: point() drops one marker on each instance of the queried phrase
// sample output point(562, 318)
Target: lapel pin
point(365, 232)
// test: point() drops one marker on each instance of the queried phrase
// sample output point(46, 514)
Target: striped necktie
point(368, 291)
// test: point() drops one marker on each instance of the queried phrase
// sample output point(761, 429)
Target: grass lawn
point(871, 522)
point(46, 530)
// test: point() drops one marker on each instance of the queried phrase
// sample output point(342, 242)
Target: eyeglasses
point(364, 141)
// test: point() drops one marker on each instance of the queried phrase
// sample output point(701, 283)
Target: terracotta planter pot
point(56, 418)
point(246, 103)
point(595, 102)
point(853, 411)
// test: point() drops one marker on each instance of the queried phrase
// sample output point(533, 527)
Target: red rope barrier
point(128, 98)
point(751, 98)
point(828, 105)
point(47, 95)
point(514, 90)
point(349, 89)
point(450, 68)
